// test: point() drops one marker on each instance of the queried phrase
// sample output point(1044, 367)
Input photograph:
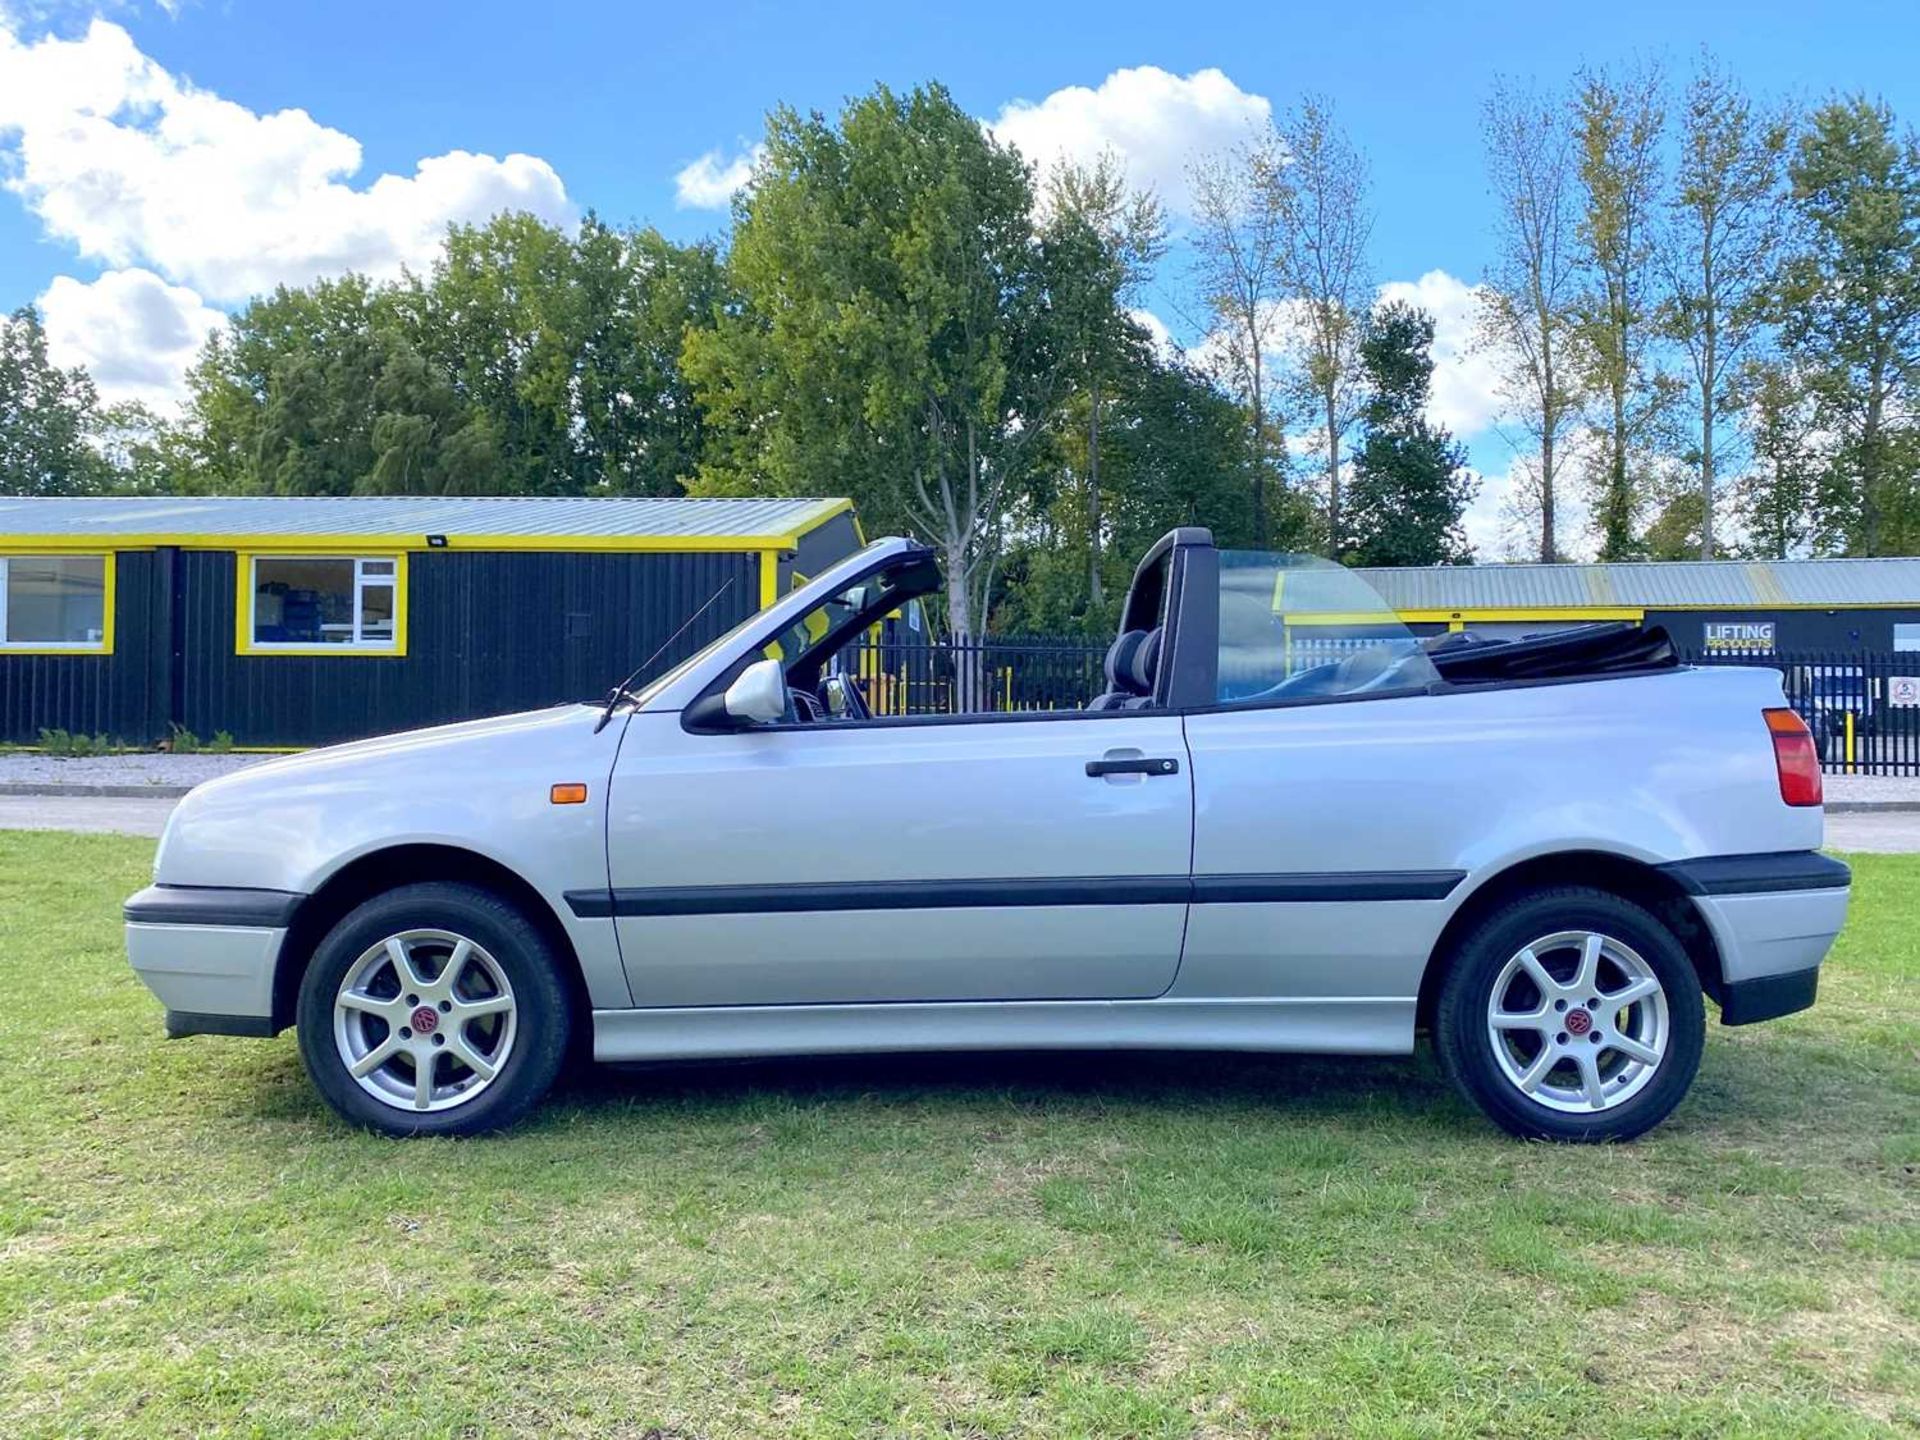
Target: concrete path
point(1883, 832)
point(128, 816)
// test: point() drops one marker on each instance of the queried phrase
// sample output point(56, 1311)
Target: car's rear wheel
point(433, 1009)
point(1571, 1014)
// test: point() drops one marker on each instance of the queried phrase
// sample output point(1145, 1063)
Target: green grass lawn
point(1099, 1245)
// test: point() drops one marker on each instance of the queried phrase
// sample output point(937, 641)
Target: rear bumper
point(209, 955)
point(1747, 1002)
point(1773, 918)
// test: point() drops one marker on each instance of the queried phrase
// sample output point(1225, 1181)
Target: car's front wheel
point(434, 1009)
point(1571, 1014)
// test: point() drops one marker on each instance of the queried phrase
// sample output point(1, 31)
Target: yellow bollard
point(1849, 742)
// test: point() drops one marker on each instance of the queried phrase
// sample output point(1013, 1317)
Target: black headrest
point(1143, 666)
point(1120, 661)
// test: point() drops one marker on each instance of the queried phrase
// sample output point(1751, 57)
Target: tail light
point(1795, 757)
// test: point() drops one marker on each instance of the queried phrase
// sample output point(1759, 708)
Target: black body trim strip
point(182, 1023)
point(991, 894)
point(212, 905)
point(1349, 885)
point(1766, 874)
point(1747, 1002)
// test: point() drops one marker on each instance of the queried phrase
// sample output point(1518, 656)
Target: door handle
point(1137, 765)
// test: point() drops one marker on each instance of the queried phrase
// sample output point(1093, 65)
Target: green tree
point(1410, 482)
point(527, 361)
point(1527, 317)
point(1105, 239)
point(1240, 210)
point(1726, 217)
point(46, 416)
point(145, 453)
point(1177, 454)
point(1775, 497)
point(892, 339)
point(1324, 272)
point(281, 400)
point(1618, 123)
point(1850, 310)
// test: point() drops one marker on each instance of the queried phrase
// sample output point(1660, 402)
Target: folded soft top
point(1602, 649)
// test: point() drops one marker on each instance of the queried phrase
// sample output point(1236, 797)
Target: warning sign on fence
point(1903, 690)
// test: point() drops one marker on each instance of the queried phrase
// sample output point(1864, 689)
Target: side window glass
point(1296, 627)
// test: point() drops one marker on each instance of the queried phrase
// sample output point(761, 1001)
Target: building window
point(56, 603)
point(1906, 637)
point(323, 604)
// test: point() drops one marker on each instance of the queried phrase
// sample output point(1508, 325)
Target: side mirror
point(759, 695)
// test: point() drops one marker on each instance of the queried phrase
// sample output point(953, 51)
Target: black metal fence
point(1863, 708)
point(1003, 674)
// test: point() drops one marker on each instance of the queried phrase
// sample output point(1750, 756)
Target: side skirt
point(1357, 1026)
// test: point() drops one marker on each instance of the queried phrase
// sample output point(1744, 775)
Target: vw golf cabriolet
point(1286, 824)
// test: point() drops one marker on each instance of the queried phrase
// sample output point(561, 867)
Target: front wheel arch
point(379, 871)
point(1619, 875)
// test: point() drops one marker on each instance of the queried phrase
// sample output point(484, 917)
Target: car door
point(942, 858)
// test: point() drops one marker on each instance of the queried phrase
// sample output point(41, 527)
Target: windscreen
point(1299, 627)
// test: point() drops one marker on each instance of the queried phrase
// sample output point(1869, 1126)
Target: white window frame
point(247, 565)
point(102, 646)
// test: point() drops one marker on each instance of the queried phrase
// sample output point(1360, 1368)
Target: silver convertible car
point(1285, 825)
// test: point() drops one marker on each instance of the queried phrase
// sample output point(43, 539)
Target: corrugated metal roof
point(241, 517)
point(1652, 584)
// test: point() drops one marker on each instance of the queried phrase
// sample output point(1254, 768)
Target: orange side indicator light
point(568, 794)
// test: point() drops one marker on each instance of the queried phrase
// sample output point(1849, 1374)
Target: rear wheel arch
point(1616, 874)
point(380, 871)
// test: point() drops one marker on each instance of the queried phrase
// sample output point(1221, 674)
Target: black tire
point(1466, 1050)
point(542, 1017)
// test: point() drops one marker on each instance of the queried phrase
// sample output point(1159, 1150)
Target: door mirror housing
point(759, 695)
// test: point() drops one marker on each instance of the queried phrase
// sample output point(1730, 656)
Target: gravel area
point(144, 768)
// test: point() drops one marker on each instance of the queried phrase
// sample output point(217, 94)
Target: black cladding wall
point(120, 694)
point(1794, 630)
point(487, 632)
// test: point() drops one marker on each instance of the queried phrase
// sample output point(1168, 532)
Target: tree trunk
point(1549, 421)
point(1095, 597)
point(1708, 372)
point(1333, 479)
point(960, 637)
point(1259, 450)
point(1870, 477)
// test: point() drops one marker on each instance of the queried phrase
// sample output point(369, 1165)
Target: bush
point(68, 746)
point(183, 741)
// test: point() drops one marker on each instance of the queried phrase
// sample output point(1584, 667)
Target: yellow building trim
point(1542, 612)
point(769, 577)
point(109, 599)
point(244, 643)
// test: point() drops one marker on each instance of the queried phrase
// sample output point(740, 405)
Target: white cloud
point(1466, 382)
point(1155, 121)
point(1159, 334)
point(709, 183)
point(134, 166)
point(135, 333)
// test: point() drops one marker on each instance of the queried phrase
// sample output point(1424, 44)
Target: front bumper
point(209, 954)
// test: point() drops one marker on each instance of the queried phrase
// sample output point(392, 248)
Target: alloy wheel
point(1578, 1022)
point(424, 1020)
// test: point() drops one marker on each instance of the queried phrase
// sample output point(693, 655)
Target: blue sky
point(607, 103)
